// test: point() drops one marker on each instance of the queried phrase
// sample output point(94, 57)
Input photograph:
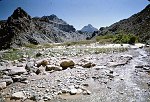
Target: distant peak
point(90, 25)
point(89, 28)
point(53, 15)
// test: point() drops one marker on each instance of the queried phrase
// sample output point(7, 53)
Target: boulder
point(67, 63)
point(2, 85)
point(53, 67)
point(18, 78)
point(17, 70)
point(86, 92)
point(6, 79)
point(42, 62)
point(73, 91)
point(29, 66)
point(88, 65)
point(18, 95)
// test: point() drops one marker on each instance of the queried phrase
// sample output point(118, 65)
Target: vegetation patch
point(117, 38)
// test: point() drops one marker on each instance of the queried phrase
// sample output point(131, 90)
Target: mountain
point(20, 29)
point(89, 29)
point(138, 24)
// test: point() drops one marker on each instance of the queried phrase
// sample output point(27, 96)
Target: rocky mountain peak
point(89, 28)
point(20, 13)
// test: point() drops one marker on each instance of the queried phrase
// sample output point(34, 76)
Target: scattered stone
point(86, 92)
point(109, 87)
point(38, 71)
point(111, 72)
point(2, 85)
point(73, 91)
point(17, 70)
point(79, 91)
point(146, 68)
point(127, 56)
point(19, 65)
point(115, 64)
point(53, 67)
point(139, 66)
point(42, 62)
point(46, 98)
point(39, 54)
point(22, 60)
point(110, 76)
point(18, 78)
point(18, 95)
point(25, 82)
point(29, 66)
point(7, 79)
point(88, 65)
point(85, 84)
point(67, 63)
point(64, 90)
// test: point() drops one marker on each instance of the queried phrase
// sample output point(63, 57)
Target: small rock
point(85, 84)
point(46, 98)
point(73, 91)
point(2, 85)
point(86, 92)
point(127, 56)
point(79, 91)
point(39, 54)
point(29, 66)
point(18, 95)
point(18, 78)
point(88, 65)
point(67, 63)
point(111, 72)
point(64, 90)
point(7, 79)
point(139, 66)
point(53, 67)
point(17, 70)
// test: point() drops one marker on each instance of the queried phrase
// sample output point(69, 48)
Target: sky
point(99, 13)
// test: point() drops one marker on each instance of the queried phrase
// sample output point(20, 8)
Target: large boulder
point(67, 63)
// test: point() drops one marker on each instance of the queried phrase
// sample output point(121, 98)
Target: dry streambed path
point(102, 77)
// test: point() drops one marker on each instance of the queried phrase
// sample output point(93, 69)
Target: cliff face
point(21, 29)
point(138, 24)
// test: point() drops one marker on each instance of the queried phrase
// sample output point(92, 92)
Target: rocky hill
point(20, 29)
point(138, 24)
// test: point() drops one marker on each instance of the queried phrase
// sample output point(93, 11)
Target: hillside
point(138, 24)
point(21, 29)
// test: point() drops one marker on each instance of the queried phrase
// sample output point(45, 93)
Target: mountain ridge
point(21, 29)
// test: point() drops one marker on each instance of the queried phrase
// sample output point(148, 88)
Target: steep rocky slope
point(21, 29)
point(138, 24)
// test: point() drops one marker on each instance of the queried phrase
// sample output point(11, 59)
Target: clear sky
point(77, 12)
